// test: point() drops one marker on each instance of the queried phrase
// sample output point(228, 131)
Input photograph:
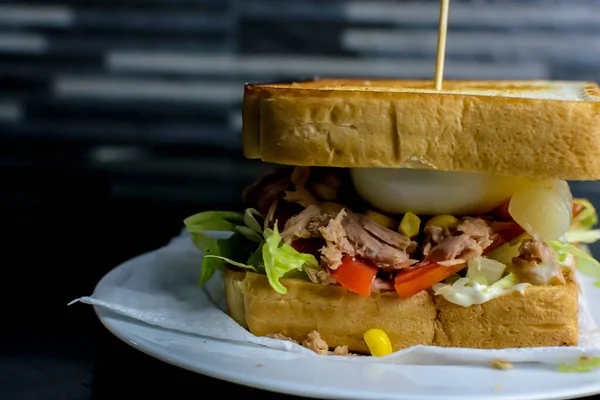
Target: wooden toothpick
point(441, 46)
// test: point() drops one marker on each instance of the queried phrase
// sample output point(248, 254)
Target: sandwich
point(397, 215)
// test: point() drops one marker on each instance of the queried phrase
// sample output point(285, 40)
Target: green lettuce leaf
point(209, 247)
point(250, 220)
point(582, 235)
point(237, 248)
point(586, 263)
point(581, 365)
point(281, 258)
point(233, 262)
point(213, 221)
point(217, 252)
point(507, 251)
point(256, 259)
point(249, 247)
point(249, 233)
point(509, 281)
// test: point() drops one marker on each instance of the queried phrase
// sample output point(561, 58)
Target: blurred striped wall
point(148, 91)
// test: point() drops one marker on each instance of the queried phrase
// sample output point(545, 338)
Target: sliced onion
point(544, 208)
point(431, 192)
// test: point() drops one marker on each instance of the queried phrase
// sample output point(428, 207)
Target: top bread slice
point(537, 129)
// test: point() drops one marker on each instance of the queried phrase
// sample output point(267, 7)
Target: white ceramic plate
point(297, 374)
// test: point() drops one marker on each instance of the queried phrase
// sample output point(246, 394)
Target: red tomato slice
point(511, 233)
point(409, 283)
point(497, 241)
point(501, 212)
point(355, 275)
point(410, 273)
point(577, 208)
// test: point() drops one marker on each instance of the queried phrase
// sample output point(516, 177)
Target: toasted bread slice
point(341, 317)
point(543, 316)
point(538, 129)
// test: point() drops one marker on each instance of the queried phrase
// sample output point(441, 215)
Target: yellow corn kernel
point(410, 225)
point(378, 342)
point(382, 219)
point(443, 221)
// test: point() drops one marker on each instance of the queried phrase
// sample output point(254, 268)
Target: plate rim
point(105, 317)
point(112, 325)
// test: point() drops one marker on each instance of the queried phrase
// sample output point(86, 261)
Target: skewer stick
point(441, 46)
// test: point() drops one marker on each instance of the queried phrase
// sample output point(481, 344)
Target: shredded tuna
point(536, 265)
point(467, 241)
point(435, 234)
point(300, 176)
point(535, 250)
point(300, 194)
point(314, 342)
point(450, 263)
point(266, 190)
point(321, 276)
point(478, 229)
point(327, 187)
point(270, 217)
point(427, 248)
point(462, 246)
point(337, 243)
point(305, 224)
point(393, 238)
point(347, 235)
point(316, 204)
point(379, 285)
point(372, 248)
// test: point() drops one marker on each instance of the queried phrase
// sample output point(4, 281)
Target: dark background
point(120, 118)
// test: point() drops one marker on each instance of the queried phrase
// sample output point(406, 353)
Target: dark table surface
point(63, 230)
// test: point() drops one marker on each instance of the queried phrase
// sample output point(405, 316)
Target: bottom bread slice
point(340, 316)
point(543, 316)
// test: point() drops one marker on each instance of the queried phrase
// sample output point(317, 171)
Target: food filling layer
point(311, 223)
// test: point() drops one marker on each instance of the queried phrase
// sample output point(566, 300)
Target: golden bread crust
point(345, 123)
point(234, 296)
point(544, 316)
point(341, 317)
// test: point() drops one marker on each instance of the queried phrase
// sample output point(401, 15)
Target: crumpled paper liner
point(160, 288)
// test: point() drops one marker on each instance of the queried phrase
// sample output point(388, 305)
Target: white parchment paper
point(160, 288)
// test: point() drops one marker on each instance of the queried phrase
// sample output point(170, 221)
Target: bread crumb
point(497, 387)
point(583, 358)
point(314, 342)
point(498, 363)
point(259, 365)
